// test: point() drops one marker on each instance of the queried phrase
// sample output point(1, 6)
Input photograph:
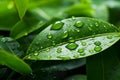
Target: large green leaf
point(21, 6)
point(106, 65)
point(14, 62)
point(73, 38)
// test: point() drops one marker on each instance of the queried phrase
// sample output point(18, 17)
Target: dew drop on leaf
point(76, 56)
point(82, 54)
point(71, 40)
point(65, 34)
point(97, 43)
point(59, 50)
point(109, 37)
point(57, 26)
point(98, 48)
point(96, 24)
point(36, 53)
point(83, 43)
point(49, 36)
point(81, 50)
point(78, 24)
point(71, 46)
point(91, 51)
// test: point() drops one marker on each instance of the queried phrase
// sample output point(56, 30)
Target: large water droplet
point(49, 36)
point(59, 50)
point(97, 43)
point(78, 24)
point(65, 34)
point(98, 48)
point(71, 40)
point(72, 46)
point(81, 50)
point(110, 37)
point(57, 26)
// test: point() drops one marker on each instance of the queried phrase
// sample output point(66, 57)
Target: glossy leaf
point(75, 38)
point(24, 27)
point(106, 65)
point(21, 6)
point(14, 62)
point(8, 15)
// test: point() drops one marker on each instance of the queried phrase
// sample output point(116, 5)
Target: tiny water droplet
point(59, 50)
point(49, 36)
point(3, 39)
point(77, 30)
point(91, 51)
point(97, 43)
point(71, 40)
point(76, 55)
point(82, 54)
point(57, 26)
point(47, 49)
point(72, 46)
point(110, 37)
point(36, 53)
point(98, 48)
point(65, 34)
point(64, 57)
point(81, 50)
point(78, 24)
point(83, 43)
point(91, 25)
point(90, 28)
point(73, 17)
point(28, 57)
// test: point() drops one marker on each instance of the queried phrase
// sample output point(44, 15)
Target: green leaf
point(74, 38)
point(14, 62)
point(21, 6)
point(106, 65)
point(77, 77)
point(24, 27)
point(8, 15)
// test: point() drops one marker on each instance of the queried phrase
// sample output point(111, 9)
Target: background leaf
point(21, 6)
point(72, 38)
point(14, 62)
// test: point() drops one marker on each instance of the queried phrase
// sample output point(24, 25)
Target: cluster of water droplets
point(75, 48)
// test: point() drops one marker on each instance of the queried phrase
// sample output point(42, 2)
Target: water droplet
point(64, 57)
point(28, 57)
point(3, 39)
point(109, 37)
point(49, 36)
point(59, 50)
point(83, 43)
point(81, 50)
point(91, 51)
point(82, 54)
point(97, 48)
point(65, 35)
point(57, 26)
point(77, 30)
point(72, 46)
point(97, 43)
point(47, 49)
point(78, 24)
point(36, 53)
point(76, 55)
point(91, 25)
point(71, 40)
point(73, 17)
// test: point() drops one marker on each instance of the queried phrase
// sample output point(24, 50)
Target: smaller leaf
point(21, 6)
point(14, 62)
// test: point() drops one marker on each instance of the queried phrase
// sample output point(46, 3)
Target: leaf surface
point(73, 38)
